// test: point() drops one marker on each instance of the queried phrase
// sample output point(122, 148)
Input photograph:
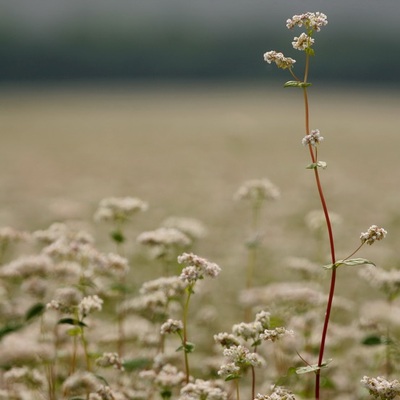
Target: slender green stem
point(85, 350)
point(185, 334)
point(237, 389)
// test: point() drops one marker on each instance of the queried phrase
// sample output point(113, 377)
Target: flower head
point(302, 42)
point(381, 388)
point(373, 233)
point(90, 304)
point(171, 326)
point(279, 59)
point(119, 208)
point(197, 268)
point(110, 360)
point(279, 393)
point(257, 190)
point(314, 21)
point(313, 139)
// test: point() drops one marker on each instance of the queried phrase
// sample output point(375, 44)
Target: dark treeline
point(177, 53)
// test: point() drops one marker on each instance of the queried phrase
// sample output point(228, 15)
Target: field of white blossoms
point(168, 243)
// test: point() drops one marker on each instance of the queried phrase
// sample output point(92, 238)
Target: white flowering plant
point(81, 322)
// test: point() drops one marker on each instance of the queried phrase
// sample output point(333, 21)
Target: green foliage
point(296, 84)
point(351, 262)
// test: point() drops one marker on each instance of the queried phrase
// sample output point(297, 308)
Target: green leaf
point(136, 363)
point(10, 328)
point(117, 236)
point(310, 51)
point(351, 262)
point(77, 331)
point(372, 340)
point(71, 321)
point(296, 84)
point(231, 377)
point(312, 368)
point(188, 347)
point(319, 164)
point(35, 311)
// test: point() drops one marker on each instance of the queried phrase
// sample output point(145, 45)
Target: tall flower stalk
point(196, 268)
point(313, 22)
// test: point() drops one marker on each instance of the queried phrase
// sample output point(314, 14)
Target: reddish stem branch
point(313, 155)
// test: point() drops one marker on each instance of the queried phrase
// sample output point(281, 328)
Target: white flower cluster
point(119, 208)
point(201, 389)
point(90, 304)
point(169, 376)
point(226, 339)
point(28, 266)
point(314, 21)
point(191, 227)
point(279, 59)
point(297, 295)
point(110, 360)
point(257, 190)
point(386, 281)
point(165, 237)
point(80, 382)
point(171, 326)
point(154, 303)
point(242, 356)
point(9, 234)
point(302, 42)
point(275, 334)
point(59, 230)
point(381, 388)
point(252, 330)
point(313, 139)
point(279, 393)
point(374, 233)
point(197, 268)
point(66, 300)
point(171, 287)
point(31, 378)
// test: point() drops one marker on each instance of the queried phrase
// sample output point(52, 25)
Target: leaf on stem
point(372, 340)
point(351, 262)
point(312, 368)
point(35, 311)
point(136, 364)
point(71, 321)
point(188, 347)
point(318, 164)
point(297, 84)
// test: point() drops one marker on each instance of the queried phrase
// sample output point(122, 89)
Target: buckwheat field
point(179, 242)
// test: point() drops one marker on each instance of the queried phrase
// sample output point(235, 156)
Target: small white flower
point(119, 208)
point(171, 326)
point(90, 304)
point(110, 360)
point(381, 388)
point(302, 42)
point(313, 139)
point(374, 233)
point(197, 268)
point(275, 334)
point(279, 59)
point(314, 21)
point(257, 190)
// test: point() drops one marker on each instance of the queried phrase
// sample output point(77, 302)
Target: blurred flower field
point(103, 188)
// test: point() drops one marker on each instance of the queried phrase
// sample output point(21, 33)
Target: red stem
point(313, 155)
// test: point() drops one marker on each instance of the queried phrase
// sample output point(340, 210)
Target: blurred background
point(171, 101)
point(65, 40)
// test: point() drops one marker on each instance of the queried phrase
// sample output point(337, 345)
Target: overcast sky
point(45, 15)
